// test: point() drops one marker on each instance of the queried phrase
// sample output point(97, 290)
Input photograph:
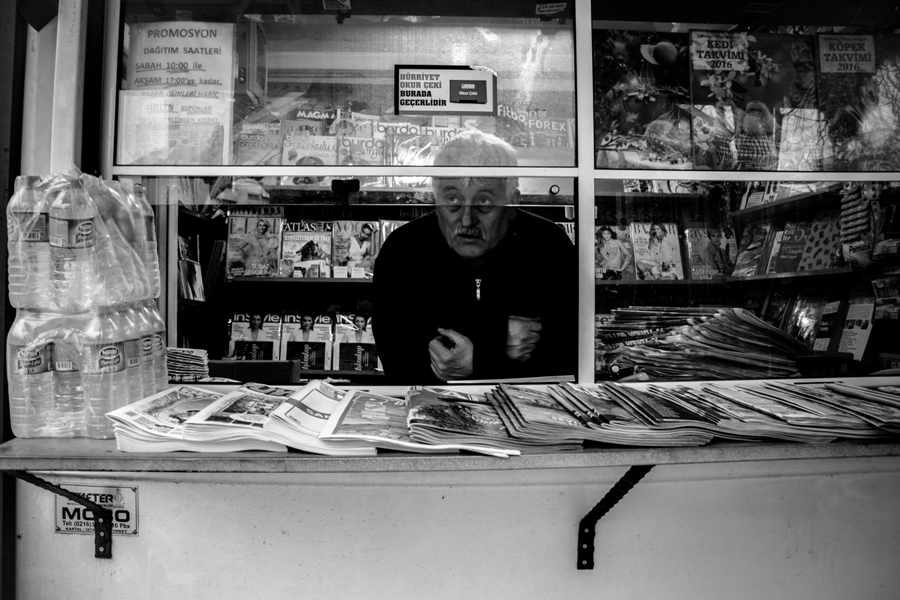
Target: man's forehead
point(491, 185)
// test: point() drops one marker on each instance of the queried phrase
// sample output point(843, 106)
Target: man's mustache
point(469, 232)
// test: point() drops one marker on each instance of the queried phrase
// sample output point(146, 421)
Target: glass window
point(747, 95)
point(211, 87)
point(379, 279)
point(703, 280)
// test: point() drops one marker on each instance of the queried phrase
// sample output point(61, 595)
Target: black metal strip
point(588, 524)
point(102, 517)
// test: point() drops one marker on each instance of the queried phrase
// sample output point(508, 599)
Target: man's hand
point(451, 355)
point(523, 334)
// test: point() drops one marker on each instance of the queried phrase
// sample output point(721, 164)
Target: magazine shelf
point(793, 204)
point(297, 280)
point(806, 276)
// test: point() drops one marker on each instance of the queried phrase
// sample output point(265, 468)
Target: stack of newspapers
point(187, 364)
point(694, 344)
point(506, 420)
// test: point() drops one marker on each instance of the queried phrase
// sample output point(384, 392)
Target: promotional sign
point(184, 55)
point(846, 53)
point(449, 90)
point(175, 107)
point(72, 517)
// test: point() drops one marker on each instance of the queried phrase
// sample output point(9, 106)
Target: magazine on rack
point(307, 338)
point(382, 422)
point(254, 241)
point(354, 344)
point(255, 336)
point(657, 251)
point(353, 248)
point(156, 424)
point(306, 254)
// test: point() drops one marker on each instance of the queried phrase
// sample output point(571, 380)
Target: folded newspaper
point(156, 424)
point(381, 421)
point(290, 417)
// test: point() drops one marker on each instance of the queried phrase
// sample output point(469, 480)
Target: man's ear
point(513, 204)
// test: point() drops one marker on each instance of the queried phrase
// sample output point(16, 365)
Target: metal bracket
point(589, 522)
point(102, 517)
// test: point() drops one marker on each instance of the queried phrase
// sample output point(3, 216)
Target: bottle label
point(26, 227)
point(133, 353)
point(147, 349)
point(62, 361)
point(159, 345)
point(72, 233)
point(105, 358)
point(31, 361)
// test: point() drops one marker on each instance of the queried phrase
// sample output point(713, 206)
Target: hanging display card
point(719, 51)
point(846, 53)
point(448, 90)
point(175, 108)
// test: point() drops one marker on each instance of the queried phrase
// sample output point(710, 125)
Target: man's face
point(473, 218)
point(306, 323)
point(255, 321)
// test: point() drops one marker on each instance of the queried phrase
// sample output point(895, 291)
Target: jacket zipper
point(478, 289)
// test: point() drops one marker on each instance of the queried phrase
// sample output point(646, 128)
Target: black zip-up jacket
point(421, 284)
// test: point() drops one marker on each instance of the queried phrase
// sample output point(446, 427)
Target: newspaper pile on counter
point(187, 365)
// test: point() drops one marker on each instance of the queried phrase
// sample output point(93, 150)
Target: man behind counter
point(477, 289)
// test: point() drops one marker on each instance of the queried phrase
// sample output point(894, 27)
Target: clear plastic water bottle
point(73, 253)
point(28, 242)
point(145, 231)
point(159, 344)
point(68, 393)
point(115, 267)
point(132, 352)
point(104, 374)
point(28, 372)
point(148, 368)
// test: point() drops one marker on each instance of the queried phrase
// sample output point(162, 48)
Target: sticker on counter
point(72, 517)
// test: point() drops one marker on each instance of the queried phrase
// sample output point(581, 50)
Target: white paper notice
point(176, 105)
point(857, 327)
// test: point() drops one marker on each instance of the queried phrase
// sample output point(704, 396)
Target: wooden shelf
point(793, 202)
point(82, 454)
point(726, 280)
point(825, 273)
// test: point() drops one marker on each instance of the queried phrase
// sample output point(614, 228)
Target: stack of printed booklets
point(187, 364)
point(671, 343)
point(504, 421)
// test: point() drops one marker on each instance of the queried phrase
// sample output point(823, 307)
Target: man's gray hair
point(473, 148)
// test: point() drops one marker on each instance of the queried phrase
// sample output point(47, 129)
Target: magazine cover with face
point(709, 253)
point(254, 241)
point(306, 254)
point(657, 251)
point(353, 248)
point(255, 336)
point(308, 338)
point(354, 344)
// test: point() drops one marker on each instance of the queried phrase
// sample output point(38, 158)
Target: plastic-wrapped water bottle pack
point(83, 276)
